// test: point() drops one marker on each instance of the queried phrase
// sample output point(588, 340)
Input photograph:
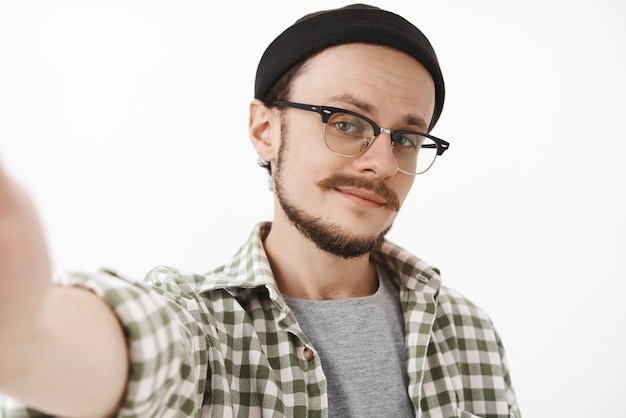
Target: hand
point(24, 264)
point(46, 330)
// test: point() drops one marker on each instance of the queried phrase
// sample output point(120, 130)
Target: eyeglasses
point(350, 134)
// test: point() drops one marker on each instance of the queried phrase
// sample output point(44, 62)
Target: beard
point(323, 233)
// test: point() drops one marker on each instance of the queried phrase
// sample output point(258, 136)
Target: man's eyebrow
point(408, 120)
point(414, 120)
point(350, 99)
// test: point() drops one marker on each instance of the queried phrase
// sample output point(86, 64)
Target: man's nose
point(378, 158)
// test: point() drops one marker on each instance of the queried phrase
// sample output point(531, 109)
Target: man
point(317, 314)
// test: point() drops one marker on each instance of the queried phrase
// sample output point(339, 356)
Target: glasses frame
point(326, 112)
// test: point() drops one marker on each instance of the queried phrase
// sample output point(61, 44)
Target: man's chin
point(336, 236)
point(339, 242)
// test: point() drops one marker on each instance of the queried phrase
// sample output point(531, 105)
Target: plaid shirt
point(225, 344)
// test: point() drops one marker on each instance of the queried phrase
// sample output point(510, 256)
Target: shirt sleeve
point(167, 351)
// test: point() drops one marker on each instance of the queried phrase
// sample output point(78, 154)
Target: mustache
point(380, 188)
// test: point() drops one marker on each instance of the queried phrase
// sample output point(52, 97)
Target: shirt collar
point(250, 268)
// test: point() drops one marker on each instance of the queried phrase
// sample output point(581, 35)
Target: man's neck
point(302, 270)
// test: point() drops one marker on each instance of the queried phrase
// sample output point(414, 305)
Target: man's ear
point(264, 130)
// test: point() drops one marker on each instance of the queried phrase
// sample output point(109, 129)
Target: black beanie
point(350, 24)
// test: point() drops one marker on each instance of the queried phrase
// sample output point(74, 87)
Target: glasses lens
point(414, 153)
point(348, 134)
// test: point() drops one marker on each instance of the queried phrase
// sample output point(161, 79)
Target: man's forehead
point(333, 78)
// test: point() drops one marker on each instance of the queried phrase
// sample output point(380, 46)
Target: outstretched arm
point(62, 350)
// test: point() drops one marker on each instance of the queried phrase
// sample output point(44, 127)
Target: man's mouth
point(362, 196)
point(362, 191)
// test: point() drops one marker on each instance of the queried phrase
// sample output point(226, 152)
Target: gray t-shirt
point(360, 342)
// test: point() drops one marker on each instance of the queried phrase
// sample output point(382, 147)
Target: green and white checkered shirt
point(225, 344)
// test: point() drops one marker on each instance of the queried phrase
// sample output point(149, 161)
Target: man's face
point(347, 205)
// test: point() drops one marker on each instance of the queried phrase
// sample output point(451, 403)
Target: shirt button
point(308, 354)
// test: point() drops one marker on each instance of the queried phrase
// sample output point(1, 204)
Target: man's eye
point(349, 125)
point(345, 126)
point(406, 142)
